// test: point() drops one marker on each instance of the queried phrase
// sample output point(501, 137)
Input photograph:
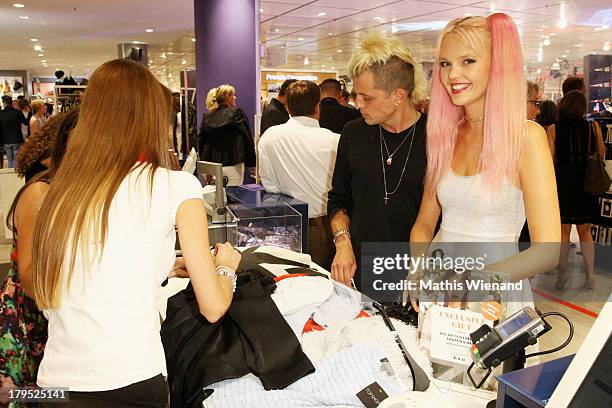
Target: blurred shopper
point(533, 100)
point(276, 112)
point(334, 115)
point(573, 83)
point(39, 116)
point(488, 167)
point(547, 115)
point(11, 120)
point(99, 260)
point(23, 328)
point(225, 136)
point(380, 165)
point(297, 158)
point(569, 144)
point(346, 96)
point(24, 106)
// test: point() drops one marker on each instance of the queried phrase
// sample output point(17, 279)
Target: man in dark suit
point(333, 115)
point(276, 113)
point(11, 120)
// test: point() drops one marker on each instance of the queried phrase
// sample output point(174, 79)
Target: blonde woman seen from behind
point(100, 259)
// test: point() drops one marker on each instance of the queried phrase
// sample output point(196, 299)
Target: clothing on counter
point(294, 294)
point(358, 188)
point(297, 159)
point(343, 304)
point(334, 116)
point(251, 337)
point(336, 382)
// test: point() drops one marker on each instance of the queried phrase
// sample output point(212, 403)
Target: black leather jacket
point(225, 137)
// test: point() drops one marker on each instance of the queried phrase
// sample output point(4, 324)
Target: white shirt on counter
point(297, 159)
point(105, 335)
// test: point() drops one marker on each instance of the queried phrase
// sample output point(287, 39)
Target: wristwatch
point(230, 273)
point(340, 233)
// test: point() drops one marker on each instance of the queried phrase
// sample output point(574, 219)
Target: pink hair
point(505, 112)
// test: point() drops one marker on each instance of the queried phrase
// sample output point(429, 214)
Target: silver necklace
point(382, 161)
point(390, 156)
point(480, 119)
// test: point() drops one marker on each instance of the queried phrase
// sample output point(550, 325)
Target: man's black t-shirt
point(358, 186)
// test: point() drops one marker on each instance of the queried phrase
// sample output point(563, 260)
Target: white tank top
point(470, 215)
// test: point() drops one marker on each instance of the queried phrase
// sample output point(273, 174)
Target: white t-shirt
point(298, 158)
point(106, 335)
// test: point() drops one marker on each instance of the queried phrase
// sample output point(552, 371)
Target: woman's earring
point(396, 103)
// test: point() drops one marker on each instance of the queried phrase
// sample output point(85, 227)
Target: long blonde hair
point(125, 116)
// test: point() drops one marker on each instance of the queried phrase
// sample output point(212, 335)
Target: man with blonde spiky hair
point(380, 165)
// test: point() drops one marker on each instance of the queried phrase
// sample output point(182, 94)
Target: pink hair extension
point(505, 112)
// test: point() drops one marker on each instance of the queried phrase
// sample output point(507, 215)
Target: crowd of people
point(79, 305)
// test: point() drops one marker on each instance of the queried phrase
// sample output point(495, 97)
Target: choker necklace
point(390, 159)
point(480, 119)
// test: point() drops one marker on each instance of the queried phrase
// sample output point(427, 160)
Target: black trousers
point(151, 393)
point(320, 242)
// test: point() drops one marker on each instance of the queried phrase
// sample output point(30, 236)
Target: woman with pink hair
point(488, 167)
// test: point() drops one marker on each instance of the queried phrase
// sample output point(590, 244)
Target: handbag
point(596, 178)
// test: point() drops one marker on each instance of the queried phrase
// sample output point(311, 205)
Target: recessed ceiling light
point(18, 5)
point(149, 30)
point(546, 42)
point(170, 53)
point(306, 61)
point(333, 68)
point(193, 39)
point(567, 51)
point(377, 18)
point(135, 42)
point(24, 17)
point(163, 56)
point(261, 10)
point(321, 14)
point(338, 50)
point(183, 62)
point(552, 34)
point(43, 60)
point(37, 47)
point(564, 56)
point(276, 30)
point(577, 45)
point(300, 38)
point(41, 55)
point(330, 33)
point(33, 39)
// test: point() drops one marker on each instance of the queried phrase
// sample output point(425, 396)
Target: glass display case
point(279, 225)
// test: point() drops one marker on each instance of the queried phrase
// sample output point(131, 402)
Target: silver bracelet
point(229, 273)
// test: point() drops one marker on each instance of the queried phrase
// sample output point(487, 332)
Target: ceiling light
point(170, 53)
point(333, 68)
point(321, 14)
point(594, 53)
point(37, 47)
point(378, 18)
point(577, 45)
point(338, 50)
point(43, 60)
point(163, 56)
point(539, 71)
point(24, 17)
point(18, 5)
point(149, 30)
point(567, 51)
point(300, 38)
point(562, 23)
point(546, 41)
point(183, 62)
point(322, 66)
point(261, 10)
point(276, 30)
point(330, 33)
point(33, 39)
point(564, 56)
point(606, 46)
point(552, 34)
point(135, 42)
point(394, 29)
point(306, 61)
point(41, 55)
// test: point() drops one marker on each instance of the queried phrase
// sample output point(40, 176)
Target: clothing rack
point(67, 96)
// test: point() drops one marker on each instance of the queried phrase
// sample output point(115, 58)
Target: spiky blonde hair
point(392, 65)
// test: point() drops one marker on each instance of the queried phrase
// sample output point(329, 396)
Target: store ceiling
point(78, 35)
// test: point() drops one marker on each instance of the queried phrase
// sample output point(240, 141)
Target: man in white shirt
point(297, 158)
